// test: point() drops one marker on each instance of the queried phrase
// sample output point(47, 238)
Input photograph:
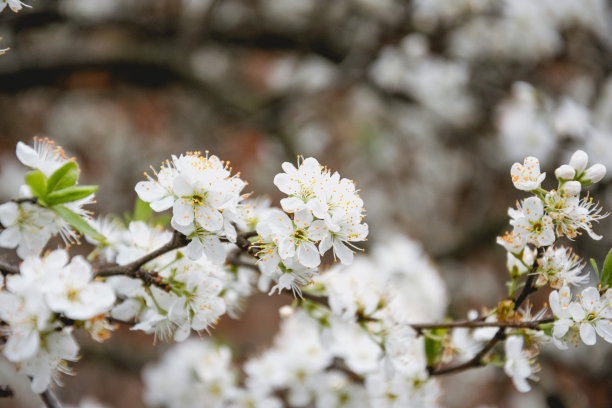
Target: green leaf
point(70, 194)
point(77, 222)
point(37, 182)
point(595, 268)
point(606, 274)
point(142, 211)
point(434, 346)
point(65, 176)
point(547, 328)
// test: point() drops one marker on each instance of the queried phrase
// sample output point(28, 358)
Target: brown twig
point(50, 399)
point(6, 391)
point(8, 269)
point(478, 359)
point(473, 324)
point(178, 241)
point(242, 242)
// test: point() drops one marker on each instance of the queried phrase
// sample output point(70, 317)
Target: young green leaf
point(37, 182)
point(434, 346)
point(69, 194)
point(606, 273)
point(77, 222)
point(595, 268)
point(65, 176)
point(142, 211)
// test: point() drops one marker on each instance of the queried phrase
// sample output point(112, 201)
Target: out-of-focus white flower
point(140, 239)
point(72, 292)
point(26, 227)
point(405, 353)
point(58, 347)
point(518, 364)
point(401, 391)
point(559, 302)
point(200, 371)
point(113, 232)
point(520, 264)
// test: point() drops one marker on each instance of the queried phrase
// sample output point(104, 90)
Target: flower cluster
point(28, 227)
point(190, 295)
point(204, 198)
point(547, 215)
point(324, 210)
point(351, 338)
point(38, 303)
point(538, 222)
point(589, 314)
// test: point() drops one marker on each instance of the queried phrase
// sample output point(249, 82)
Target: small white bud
point(285, 311)
point(595, 173)
point(565, 172)
point(579, 161)
point(572, 188)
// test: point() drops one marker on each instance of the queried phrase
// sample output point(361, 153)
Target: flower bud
point(565, 172)
point(579, 161)
point(285, 311)
point(572, 188)
point(594, 173)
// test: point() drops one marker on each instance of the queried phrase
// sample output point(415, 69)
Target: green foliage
point(69, 194)
point(38, 184)
point(77, 222)
point(434, 346)
point(142, 211)
point(606, 273)
point(64, 177)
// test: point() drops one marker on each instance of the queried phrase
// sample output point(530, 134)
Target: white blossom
point(518, 363)
point(44, 156)
point(527, 176)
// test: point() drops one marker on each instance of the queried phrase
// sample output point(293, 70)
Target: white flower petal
point(587, 334)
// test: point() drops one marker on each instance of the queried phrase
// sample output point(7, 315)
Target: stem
point(242, 242)
point(471, 324)
point(50, 399)
point(8, 269)
point(478, 359)
point(178, 241)
point(6, 391)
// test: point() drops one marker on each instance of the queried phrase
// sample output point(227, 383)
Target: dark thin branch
point(31, 200)
point(242, 242)
point(472, 324)
point(50, 399)
point(178, 241)
point(6, 391)
point(478, 359)
point(8, 269)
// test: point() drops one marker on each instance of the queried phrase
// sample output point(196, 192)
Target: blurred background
point(424, 103)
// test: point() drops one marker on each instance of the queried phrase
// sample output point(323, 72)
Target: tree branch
point(6, 391)
point(472, 324)
point(478, 359)
point(50, 399)
point(242, 242)
point(178, 241)
point(8, 269)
